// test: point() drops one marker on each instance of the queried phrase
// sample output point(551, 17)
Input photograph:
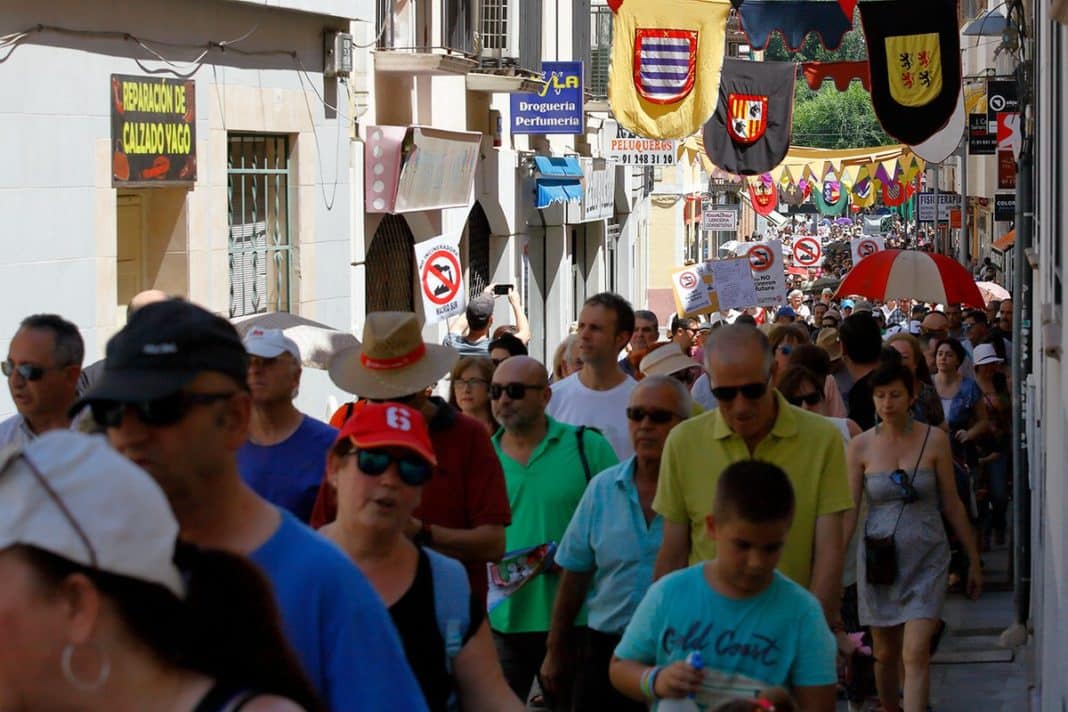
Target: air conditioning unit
point(498, 22)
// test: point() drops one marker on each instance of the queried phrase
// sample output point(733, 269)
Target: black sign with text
point(1000, 97)
point(1005, 207)
point(153, 130)
point(981, 141)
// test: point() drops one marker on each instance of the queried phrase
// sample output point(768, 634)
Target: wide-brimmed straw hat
point(392, 361)
point(666, 360)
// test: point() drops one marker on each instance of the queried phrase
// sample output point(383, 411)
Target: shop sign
point(599, 193)
point(630, 149)
point(557, 108)
point(1006, 170)
point(946, 203)
point(1004, 207)
point(719, 218)
point(1000, 97)
point(981, 142)
point(153, 130)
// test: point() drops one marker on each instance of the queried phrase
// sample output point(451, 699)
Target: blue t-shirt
point(776, 638)
point(336, 623)
point(289, 473)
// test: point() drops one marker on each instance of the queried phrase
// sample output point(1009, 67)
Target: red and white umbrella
point(912, 274)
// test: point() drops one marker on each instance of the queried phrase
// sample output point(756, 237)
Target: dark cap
point(163, 347)
point(480, 307)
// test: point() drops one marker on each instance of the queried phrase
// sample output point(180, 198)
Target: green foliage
point(828, 118)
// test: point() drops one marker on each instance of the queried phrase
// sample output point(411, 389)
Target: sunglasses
point(908, 491)
point(515, 391)
point(27, 371)
point(414, 471)
point(167, 410)
point(808, 398)
point(657, 416)
point(751, 391)
point(785, 349)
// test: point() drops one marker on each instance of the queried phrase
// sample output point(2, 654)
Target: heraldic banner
point(914, 59)
point(750, 131)
point(666, 59)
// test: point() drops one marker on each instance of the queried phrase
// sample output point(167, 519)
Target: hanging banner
point(794, 20)
point(692, 288)
point(945, 141)
point(750, 131)
point(763, 195)
point(440, 277)
point(666, 58)
point(914, 58)
point(866, 246)
point(558, 108)
point(841, 73)
point(769, 271)
point(830, 198)
point(153, 130)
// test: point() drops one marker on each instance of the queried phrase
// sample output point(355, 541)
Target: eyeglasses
point(657, 416)
point(908, 491)
point(26, 370)
point(751, 391)
point(515, 391)
point(469, 382)
point(167, 410)
point(809, 399)
point(413, 470)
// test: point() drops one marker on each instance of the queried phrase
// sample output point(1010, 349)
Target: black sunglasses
point(27, 371)
point(657, 416)
point(809, 398)
point(166, 410)
point(414, 471)
point(515, 391)
point(908, 491)
point(750, 391)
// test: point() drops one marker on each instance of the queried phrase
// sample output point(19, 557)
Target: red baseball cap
point(376, 425)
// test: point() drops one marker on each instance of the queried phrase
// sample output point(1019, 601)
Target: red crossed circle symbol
point(761, 258)
point(443, 266)
point(807, 251)
point(866, 248)
point(687, 280)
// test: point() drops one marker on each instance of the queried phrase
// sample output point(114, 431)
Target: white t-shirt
point(575, 404)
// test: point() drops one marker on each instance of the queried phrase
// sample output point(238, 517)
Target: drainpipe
point(1021, 368)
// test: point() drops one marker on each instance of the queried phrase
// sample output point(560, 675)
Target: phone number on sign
point(645, 159)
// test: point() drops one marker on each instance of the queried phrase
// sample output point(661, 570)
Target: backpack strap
point(582, 451)
point(452, 600)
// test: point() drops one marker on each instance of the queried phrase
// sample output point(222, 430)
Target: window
point(390, 266)
point(261, 264)
point(478, 250)
point(600, 51)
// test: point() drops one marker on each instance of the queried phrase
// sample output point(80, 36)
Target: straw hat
point(392, 361)
point(666, 360)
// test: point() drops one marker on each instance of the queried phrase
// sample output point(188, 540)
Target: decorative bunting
point(666, 59)
point(762, 194)
point(862, 194)
point(794, 194)
point(894, 193)
point(842, 73)
point(794, 20)
point(750, 131)
point(914, 60)
point(831, 199)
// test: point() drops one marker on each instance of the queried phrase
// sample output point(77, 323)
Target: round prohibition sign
point(867, 248)
point(761, 258)
point(687, 280)
point(441, 277)
point(807, 251)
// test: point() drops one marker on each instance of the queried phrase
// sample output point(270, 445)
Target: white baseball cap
point(983, 354)
point(73, 496)
point(269, 343)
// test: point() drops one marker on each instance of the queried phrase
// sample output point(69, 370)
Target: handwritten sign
point(153, 130)
point(733, 282)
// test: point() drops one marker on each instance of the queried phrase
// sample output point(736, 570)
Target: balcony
point(428, 38)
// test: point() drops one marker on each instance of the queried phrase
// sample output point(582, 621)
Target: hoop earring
point(70, 677)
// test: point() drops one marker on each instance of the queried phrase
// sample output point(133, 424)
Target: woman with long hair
point(928, 408)
point(102, 609)
point(904, 470)
point(378, 465)
point(469, 383)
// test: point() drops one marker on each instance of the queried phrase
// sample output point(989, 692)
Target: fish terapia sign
point(153, 130)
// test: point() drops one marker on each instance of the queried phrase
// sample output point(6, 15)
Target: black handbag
point(880, 552)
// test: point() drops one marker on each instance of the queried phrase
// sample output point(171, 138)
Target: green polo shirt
point(543, 495)
point(807, 446)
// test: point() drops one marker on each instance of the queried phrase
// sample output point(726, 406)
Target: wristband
point(653, 697)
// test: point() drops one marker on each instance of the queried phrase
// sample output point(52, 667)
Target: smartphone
point(502, 288)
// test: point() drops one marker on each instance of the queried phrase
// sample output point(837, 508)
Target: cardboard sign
point(153, 130)
point(440, 277)
point(769, 272)
point(692, 288)
point(733, 281)
point(808, 251)
point(866, 246)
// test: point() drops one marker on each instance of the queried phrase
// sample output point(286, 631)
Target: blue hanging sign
point(558, 108)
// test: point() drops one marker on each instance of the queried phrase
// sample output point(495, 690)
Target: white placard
point(866, 246)
point(719, 218)
point(808, 251)
point(441, 281)
point(769, 273)
point(733, 281)
point(629, 149)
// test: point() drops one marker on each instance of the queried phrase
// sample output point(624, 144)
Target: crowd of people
point(729, 510)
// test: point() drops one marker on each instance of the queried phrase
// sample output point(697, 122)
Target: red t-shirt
point(467, 489)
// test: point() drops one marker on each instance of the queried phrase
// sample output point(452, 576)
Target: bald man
point(754, 421)
point(546, 467)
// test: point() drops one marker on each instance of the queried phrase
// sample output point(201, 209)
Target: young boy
point(753, 627)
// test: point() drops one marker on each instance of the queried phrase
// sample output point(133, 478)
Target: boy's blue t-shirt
point(288, 474)
point(336, 623)
point(776, 638)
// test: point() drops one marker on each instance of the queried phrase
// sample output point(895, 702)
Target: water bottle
point(683, 704)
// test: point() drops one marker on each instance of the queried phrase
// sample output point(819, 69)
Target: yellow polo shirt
point(807, 446)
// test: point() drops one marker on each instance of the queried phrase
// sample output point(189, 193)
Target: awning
point(559, 180)
point(776, 218)
point(1006, 241)
point(412, 168)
